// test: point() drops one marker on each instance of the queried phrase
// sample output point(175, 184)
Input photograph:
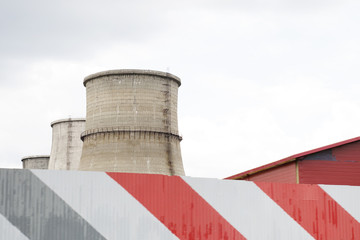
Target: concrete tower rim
point(132, 72)
point(67, 120)
point(35, 156)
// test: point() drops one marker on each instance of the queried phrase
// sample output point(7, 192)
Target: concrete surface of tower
point(131, 123)
point(36, 162)
point(66, 144)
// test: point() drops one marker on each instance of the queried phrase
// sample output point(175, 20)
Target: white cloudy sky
point(261, 80)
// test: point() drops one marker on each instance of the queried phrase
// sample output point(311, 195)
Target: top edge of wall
point(67, 120)
point(35, 156)
point(132, 72)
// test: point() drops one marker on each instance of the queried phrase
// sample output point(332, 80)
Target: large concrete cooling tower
point(36, 162)
point(131, 123)
point(66, 143)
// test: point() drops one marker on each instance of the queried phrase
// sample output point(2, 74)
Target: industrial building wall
point(339, 165)
point(51, 204)
point(285, 173)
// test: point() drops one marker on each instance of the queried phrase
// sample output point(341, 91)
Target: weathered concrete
point(131, 123)
point(66, 143)
point(36, 162)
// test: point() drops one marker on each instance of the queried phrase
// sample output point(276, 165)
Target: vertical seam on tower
point(69, 139)
point(168, 125)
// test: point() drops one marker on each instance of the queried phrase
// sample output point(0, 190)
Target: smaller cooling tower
point(36, 162)
point(66, 143)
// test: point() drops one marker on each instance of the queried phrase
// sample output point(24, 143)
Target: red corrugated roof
point(290, 159)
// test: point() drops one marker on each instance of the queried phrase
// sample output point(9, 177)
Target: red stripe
point(182, 210)
point(314, 210)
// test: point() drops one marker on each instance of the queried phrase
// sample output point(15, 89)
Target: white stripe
point(103, 203)
point(246, 207)
point(9, 231)
point(347, 196)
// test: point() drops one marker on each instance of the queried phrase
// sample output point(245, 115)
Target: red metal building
point(336, 164)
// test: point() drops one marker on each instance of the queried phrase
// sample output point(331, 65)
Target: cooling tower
point(66, 143)
point(131, 123)
point(36, 162)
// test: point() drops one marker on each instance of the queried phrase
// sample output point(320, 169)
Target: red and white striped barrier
point(45, 204)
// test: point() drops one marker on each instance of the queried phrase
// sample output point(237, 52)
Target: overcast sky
point(261, 80)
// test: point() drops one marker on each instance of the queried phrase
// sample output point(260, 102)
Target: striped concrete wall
point(50, 204)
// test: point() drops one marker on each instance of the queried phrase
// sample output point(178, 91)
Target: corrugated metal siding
point(45, 204)
point(159, 194)
point(285, 173)
point(328, 172)
point(340, 166)
point(349, 152)
point(315, 210)
point(245, 206)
